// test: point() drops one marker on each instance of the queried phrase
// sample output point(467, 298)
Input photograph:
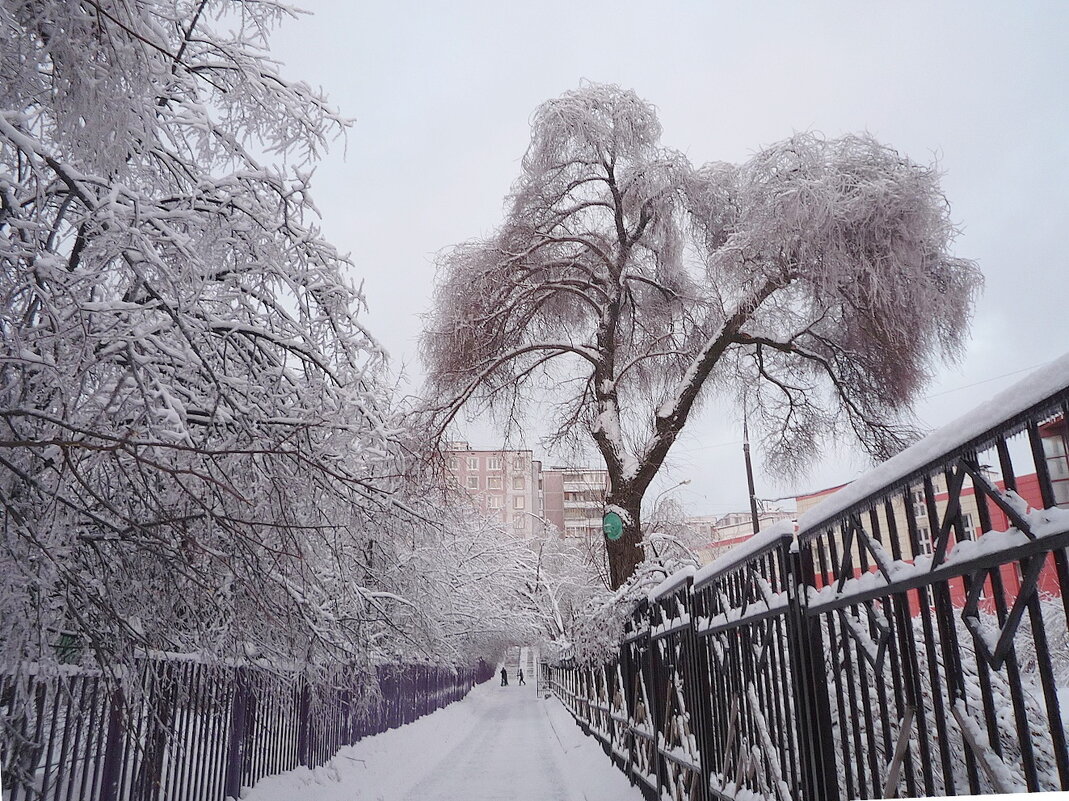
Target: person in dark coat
point(521, 677)
point(504, 677)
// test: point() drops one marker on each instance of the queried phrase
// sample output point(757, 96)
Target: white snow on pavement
point(497, 743)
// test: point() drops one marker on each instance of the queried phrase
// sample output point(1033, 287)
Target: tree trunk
point(625, 554)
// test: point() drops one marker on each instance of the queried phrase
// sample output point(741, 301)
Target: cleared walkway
point(498, 743)
point(514, 752)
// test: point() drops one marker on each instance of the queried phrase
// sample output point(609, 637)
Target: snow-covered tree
point(666, 528)
point(560, 580)
point(465, 571)
point(198, 441)
point(813, 283)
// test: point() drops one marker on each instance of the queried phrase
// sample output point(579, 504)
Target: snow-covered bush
point(598, 629)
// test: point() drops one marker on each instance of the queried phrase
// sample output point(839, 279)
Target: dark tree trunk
point(625, 554)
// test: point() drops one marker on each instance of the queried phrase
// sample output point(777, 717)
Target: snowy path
point(498, 743)
point(513, 753)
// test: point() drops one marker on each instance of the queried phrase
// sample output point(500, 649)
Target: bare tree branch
point(833, 256)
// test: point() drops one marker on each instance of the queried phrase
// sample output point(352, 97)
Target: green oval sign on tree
point(612, 525)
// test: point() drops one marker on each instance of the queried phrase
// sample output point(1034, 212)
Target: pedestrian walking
point(521, 677)
point(504, 678)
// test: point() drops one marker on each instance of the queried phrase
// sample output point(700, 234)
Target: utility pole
point(749, 475)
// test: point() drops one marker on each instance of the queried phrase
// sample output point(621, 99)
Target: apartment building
point(702, 527)
point(574, 500)
point(505, 484)
point(719, 534)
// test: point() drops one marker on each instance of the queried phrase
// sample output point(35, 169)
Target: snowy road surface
point(498, 743)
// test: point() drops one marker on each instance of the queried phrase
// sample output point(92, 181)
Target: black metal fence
point(908, 639)
point(186, 731)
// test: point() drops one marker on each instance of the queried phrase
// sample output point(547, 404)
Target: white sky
point(442, 95)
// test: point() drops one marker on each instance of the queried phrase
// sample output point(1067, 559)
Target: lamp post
point(663, 492)
point(749, 476)
point(657, 503)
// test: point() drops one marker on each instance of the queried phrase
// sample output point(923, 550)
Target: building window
point(924, 539)
point(920, 509)
point(519, 521)
point(454, 463)
point(473, 462)
point(1061, 493)
point(1057, 455)
point(518, 483)
point(493, 482)
point(493, 462)
point(473, 482)
point(519, 502)
point(493, 502)
point(518, 462)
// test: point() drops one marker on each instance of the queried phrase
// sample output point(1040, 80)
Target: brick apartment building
point(505, 484)
point(574, 500)
point(511, 486)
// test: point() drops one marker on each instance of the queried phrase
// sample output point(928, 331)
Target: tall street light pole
point(749, 476)
point(662, 493)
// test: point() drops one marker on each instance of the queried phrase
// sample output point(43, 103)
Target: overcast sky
point(442, 95)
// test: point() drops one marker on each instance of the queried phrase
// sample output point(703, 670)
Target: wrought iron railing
point(186, 731)
point(910, 637)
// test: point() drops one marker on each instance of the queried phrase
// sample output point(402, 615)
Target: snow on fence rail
point(187, 731)
point(910, 638)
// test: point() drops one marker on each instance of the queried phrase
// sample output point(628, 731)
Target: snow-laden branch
point(200, 451)
point(837, 253)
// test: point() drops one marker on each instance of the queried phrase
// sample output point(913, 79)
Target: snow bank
point(383, 766)
point(974, 427)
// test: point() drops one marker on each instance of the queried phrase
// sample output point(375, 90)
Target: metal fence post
point(696, 691)
point(161, 714)
point(109, 778)
point(814, 724)
point(236, 745)
point(304, 750)
point(654, 670)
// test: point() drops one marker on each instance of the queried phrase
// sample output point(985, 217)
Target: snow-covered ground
point(497, 743)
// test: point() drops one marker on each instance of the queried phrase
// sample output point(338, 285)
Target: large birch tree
point(814, 283)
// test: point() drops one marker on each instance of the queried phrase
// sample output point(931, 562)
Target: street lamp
point(656, 506)
point(657, 500)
